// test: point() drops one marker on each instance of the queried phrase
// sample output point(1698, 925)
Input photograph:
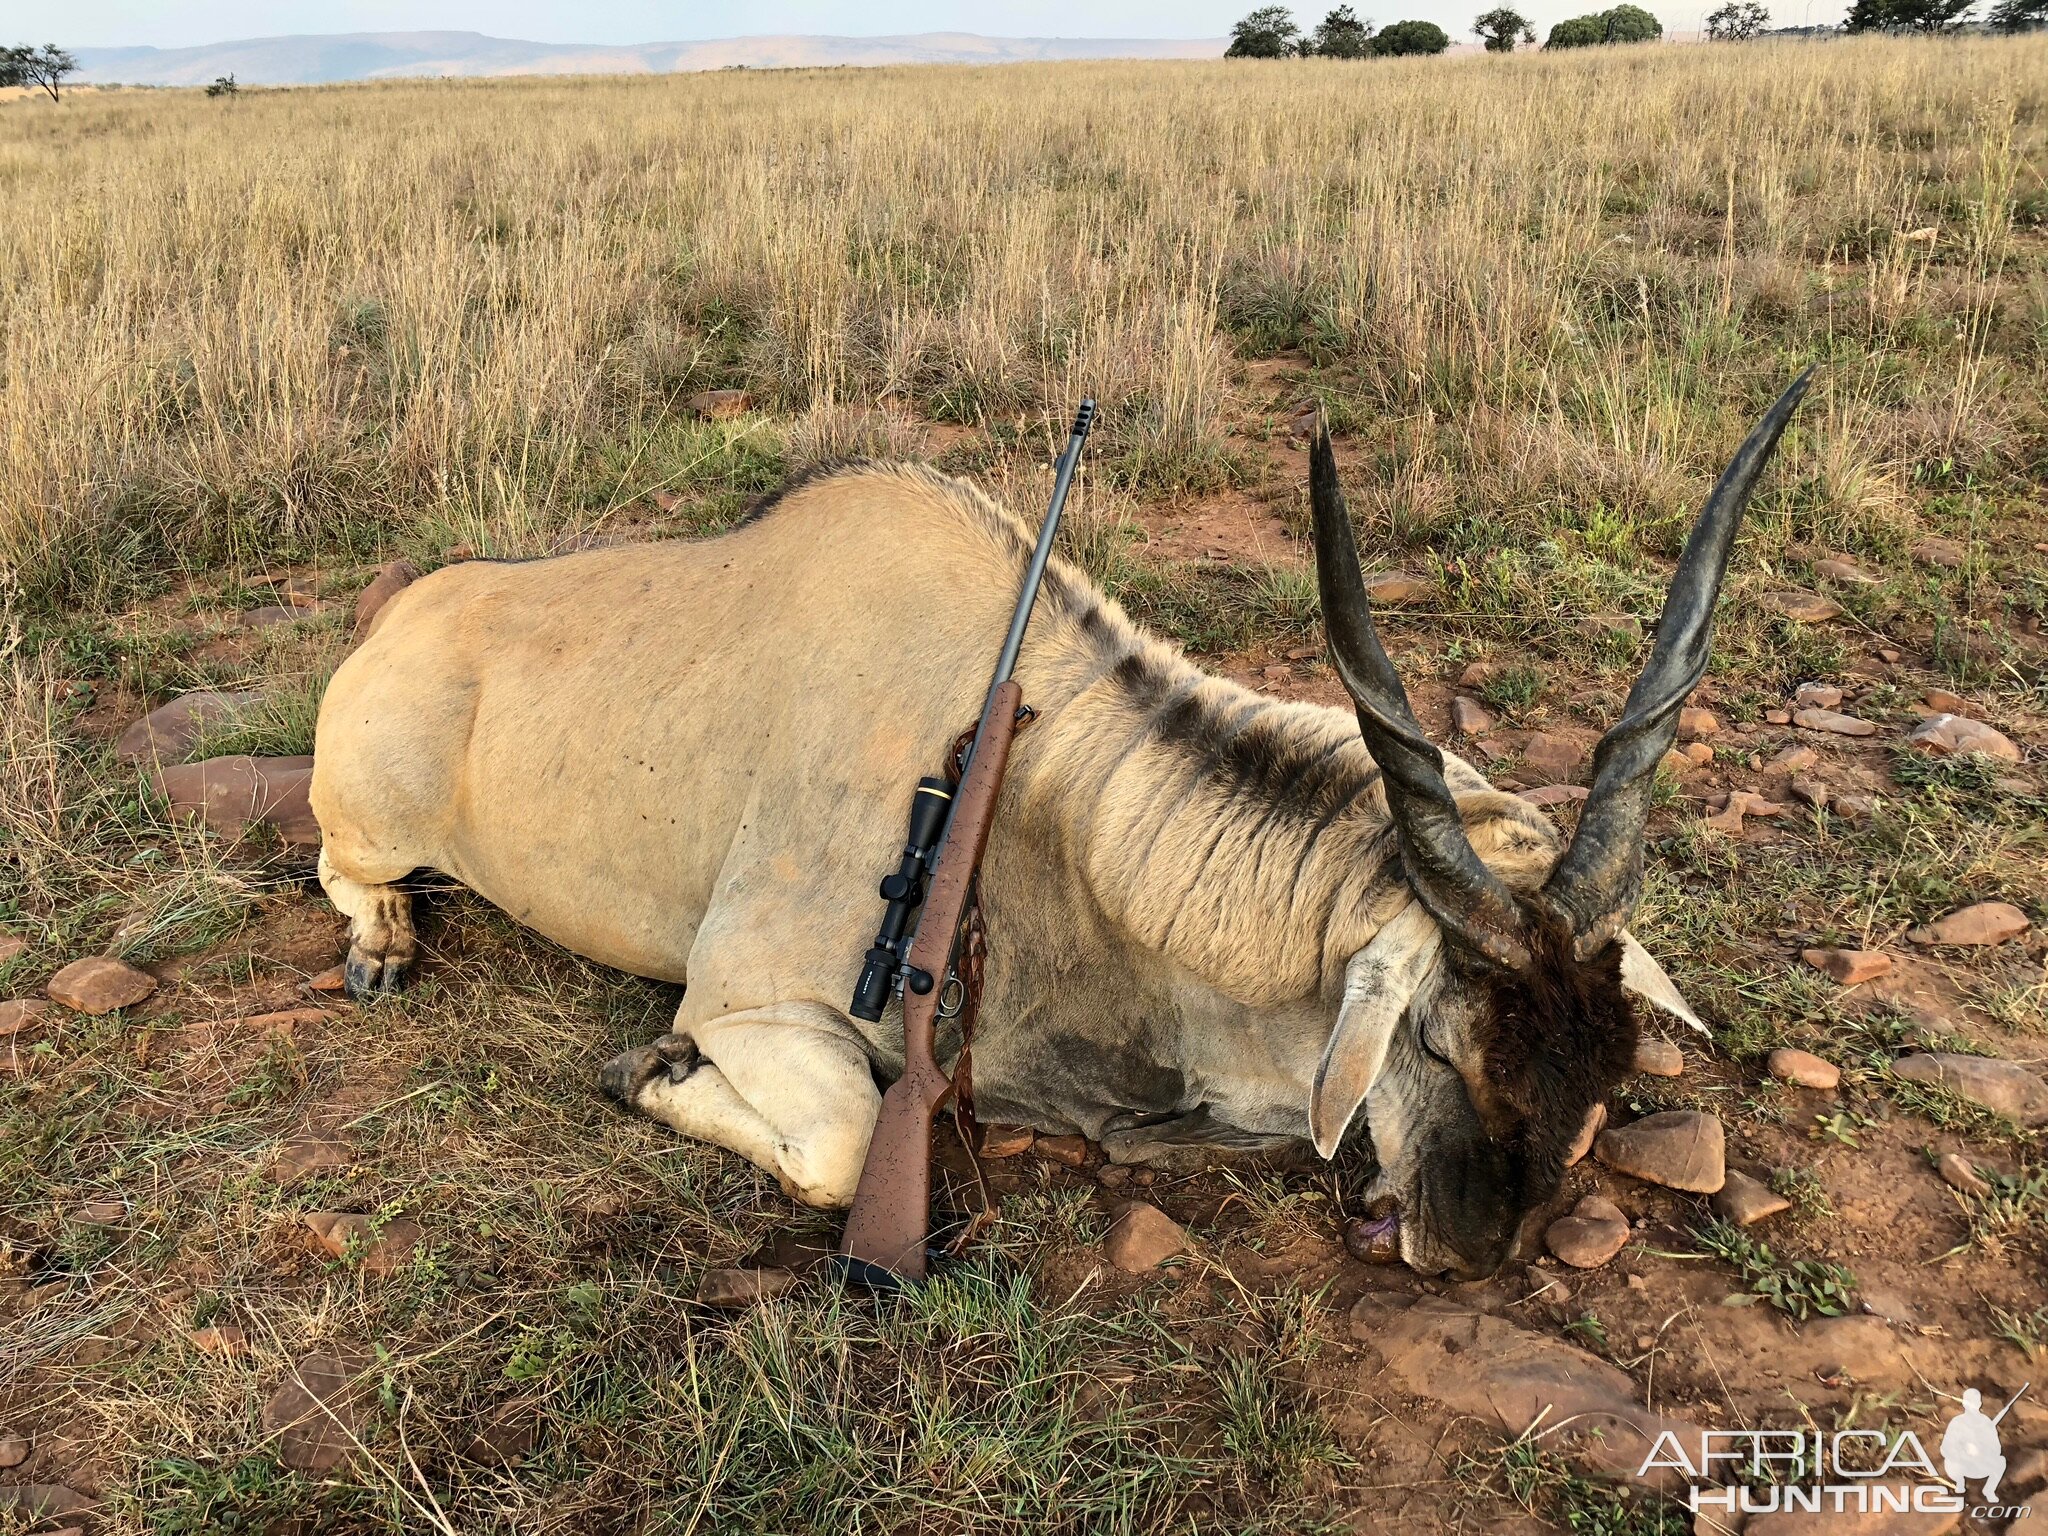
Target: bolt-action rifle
point(886, 1230)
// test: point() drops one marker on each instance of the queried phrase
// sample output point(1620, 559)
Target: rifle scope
point(903, 892)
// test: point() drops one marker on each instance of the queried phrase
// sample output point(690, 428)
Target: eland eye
point(1433, 1048)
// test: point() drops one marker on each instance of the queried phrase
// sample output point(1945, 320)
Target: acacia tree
point(1906, 15)
point(1268, 33)
point(1622, 24)
point(1738, 21)
point(1341, 35)
point(1501, 28)
point(2017, 15)
point(1405, 37)
point(44, 67)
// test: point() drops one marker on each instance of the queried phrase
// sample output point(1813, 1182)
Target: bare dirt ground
point(505, 1331)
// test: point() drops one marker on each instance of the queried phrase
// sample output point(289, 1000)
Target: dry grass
point(1540, 298)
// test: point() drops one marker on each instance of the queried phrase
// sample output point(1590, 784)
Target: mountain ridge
point(321, 59)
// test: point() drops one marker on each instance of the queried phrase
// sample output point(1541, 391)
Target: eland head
point(1482, 1027)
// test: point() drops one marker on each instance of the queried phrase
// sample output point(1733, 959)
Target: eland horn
point(1470, 902)
point(1595, 886)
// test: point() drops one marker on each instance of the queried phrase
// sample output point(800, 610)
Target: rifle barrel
point(1034, 573)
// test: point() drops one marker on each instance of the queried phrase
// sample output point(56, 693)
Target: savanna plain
point(254, 348)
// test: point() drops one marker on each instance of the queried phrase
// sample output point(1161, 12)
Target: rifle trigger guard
point(952, 996)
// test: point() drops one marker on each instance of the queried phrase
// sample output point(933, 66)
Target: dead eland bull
point(1217, 922)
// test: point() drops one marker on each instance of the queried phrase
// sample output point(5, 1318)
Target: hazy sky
point(109, 23)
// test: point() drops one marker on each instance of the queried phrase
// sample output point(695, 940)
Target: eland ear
point(1642, 975)
point(1379, 984)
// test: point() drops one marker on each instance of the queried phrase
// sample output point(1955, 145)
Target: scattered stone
point(1677, 764)
point(21, 1015)
point(374, 1249)
point(1695, 724)
point(1829, 720)
point(1658, 1057)
point(718, 404)
point(1851, 967)
point(1596, 1117)
point(2003, 1087)
point(1393, 588)
point(1804, 607)
point(1854, 807)
point(1595, 1232)
point(1942, 702)
point(333, 979)
point(1845, 571)
point(1987, 922)
point(735, 1288)
point(100, 1213)
point(1478, 674)
point(1698, 753)
point(1554, 794)
point(318, 1416)
point(1949, 735)
point(166, 734)
point(227, 1342)
point(1746, 1201)
point(1810, 791)
point(1959, 1173)
point(1513, 1378)
point(1608, 627)
point(13, 1451)
point(1803, 1069)
point(1741, 803)
point(1796, 758)
point(1947, 553)
point(1777, 717)
point(1679, 1148)
point(1468, 717)
point(389, 581)
point(1071, 1150)
point(12, 946)
point(100, 984)
point(38, 1502)
point(232, 794)
point(1554, 757)
point(1816, 696)
point(1890, 657)
point(1141, 1237)
point(266, 618)
point(1006, 1140)
point(304, 1156)
point(1112, 1176)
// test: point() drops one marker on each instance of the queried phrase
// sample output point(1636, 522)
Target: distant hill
point(388, 55)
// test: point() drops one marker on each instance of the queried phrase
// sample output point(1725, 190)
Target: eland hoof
point(622, 1078)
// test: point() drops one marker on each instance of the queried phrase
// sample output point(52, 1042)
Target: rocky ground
point(271, 1261)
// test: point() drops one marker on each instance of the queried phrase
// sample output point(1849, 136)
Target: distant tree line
point(44, 67)
point(1271, 32)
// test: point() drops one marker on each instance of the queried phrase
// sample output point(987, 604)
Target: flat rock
point(1854, 807)
point(1777, 717)
point(1816, 696)
point(734, 1288)
point(1808, 791)
point(227, 1342)
point(22, 1014)
point(1941, 702)
point(100, 984)
point(1832, 722)
point(1950, 554)
point(1554, 794)
point(12, 946)
point(1804, 607)
point(1596, 1117)
point(718, 404)
point(1741, 803)
point(317, 1416)
point(333, 979)
point(1794, 759)
point(1141, 1237)
point(1595, 1232)
point(169, 732)
point(232, 794)
point(1953, 735)
point(1478, 674)
point(1070, 1150)
point(1851, 967)
point(1393, 588)
point(351, 1236)
point(1804, 1069)
point(1470, 718)
point(1960, 1174)
point(1845, 571)
point(36, 1502)
point(1006, 1140)
point(1679, 1148)
point(1552, 756)
point(13, 1451)
point(1511, 1378)
point(2003, 1087)
point(1988, 922)
point(1695, 724)
point(1744, 1200)
point(392, 579)
point(304, 1156)
point(1658, 1057)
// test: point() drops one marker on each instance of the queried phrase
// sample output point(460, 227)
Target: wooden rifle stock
point(891, 1214)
